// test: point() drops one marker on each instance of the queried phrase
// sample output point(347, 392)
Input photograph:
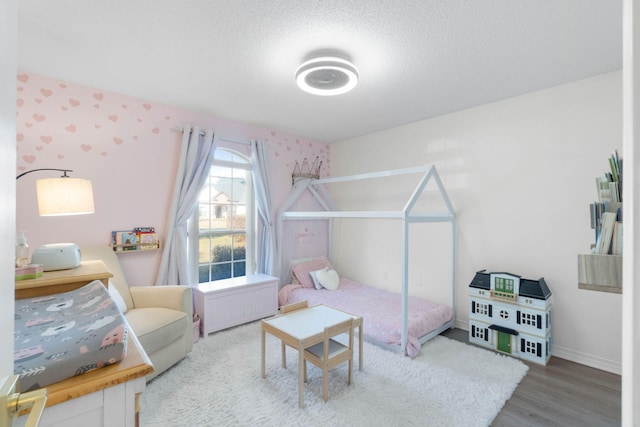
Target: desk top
point(307, 322)
point(62, 280)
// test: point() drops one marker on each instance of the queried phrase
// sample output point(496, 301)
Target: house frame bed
point(406, 215)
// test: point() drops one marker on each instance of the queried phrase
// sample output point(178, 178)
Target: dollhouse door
point(504, 342)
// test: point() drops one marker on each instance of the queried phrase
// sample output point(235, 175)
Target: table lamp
point(58, 197)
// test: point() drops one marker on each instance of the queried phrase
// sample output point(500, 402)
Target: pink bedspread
point(381, 310)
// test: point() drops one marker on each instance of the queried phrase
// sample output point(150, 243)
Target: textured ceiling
point(237, 58)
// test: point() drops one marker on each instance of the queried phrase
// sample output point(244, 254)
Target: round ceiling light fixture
point(327, 76)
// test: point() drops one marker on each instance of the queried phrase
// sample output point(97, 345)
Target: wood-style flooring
point(563, 393)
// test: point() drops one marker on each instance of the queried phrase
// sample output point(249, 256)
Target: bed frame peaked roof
point(407, 215)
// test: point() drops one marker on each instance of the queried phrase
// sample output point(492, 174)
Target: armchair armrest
point(174, 297)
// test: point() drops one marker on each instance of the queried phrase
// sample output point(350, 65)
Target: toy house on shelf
point(511, 315)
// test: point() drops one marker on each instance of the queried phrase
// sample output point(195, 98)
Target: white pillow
point(328, 279)
point(117, 298)
point(314, 277)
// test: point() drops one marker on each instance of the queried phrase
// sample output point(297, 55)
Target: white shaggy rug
point(218, 384)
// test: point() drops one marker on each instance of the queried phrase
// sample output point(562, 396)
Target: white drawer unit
point(230, 302)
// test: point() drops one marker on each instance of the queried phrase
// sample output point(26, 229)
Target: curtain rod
point(225, 138)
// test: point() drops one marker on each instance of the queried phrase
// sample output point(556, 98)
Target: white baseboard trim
point(571, 355)
point(587, 359)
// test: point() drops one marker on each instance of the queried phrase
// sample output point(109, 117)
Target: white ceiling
point(237, 58)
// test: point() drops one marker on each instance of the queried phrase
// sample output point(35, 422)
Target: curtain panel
point(196, 157)
point(260, 173)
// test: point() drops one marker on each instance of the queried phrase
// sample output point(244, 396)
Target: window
point(529, 319)
point(224, 220)
point(482, 308)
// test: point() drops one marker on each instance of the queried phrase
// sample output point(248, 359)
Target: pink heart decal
point(167, 117)
point(39, 148)
point(19, 102)
point(273, 133)
point(74, 102)
point(20, 88)
point(38, 117)
point(97, 126)
point(113, 117)
point(38, 100)
point(46, 92)
point(135, 136)
point(46, 139)
point(96, 105)
point(155, 130)
point(21, 168)
point(124, 106)
point(29, 125)
point(103, 154)
point(71, 128)
point(23, 78)
point(86, 147)
point(146, 106)
point(19, 136)
point(29, 159)
point(117, 141)
point(139, 120)
point(98, 96)
point(60, 156)
point(63, 86)
point(63, 108)
point(297, 141)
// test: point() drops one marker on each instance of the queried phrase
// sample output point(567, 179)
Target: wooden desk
point(301, 329)
point(55, 282)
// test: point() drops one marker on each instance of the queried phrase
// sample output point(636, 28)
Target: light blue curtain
point(196, 156)
point(260, 173)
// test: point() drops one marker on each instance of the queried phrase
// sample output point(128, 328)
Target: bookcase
point(601, 270)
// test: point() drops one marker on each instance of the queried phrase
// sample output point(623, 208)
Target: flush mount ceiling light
point(327, 76)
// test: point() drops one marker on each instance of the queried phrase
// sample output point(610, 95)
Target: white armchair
point(160, 316)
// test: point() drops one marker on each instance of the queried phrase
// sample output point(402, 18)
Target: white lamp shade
point(64, 196)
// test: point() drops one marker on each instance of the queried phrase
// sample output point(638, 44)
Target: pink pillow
point(302, 270)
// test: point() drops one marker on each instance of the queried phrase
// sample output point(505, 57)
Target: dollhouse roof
point(537, 289)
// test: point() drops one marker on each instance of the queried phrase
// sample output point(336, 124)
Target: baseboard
point(587, 359)
point(571, 355)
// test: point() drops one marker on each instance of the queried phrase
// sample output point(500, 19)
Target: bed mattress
point(381, 311)
point(67, 334)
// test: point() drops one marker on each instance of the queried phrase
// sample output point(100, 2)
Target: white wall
point(8, 37)
point(520, 174)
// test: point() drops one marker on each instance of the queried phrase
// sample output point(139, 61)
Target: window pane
point(239, 247)
point(220, 271)
point(204, 250)
point(221, 248)
point(239, 269)
point(203, 273)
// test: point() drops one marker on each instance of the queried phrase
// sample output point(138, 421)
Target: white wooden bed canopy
point(407, 215)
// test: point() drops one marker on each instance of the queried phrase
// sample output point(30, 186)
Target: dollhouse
point(511, 315)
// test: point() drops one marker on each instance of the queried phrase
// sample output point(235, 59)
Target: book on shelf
point(616, 241)
point(603, 242)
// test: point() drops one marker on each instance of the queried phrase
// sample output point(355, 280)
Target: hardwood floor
point(563, 393)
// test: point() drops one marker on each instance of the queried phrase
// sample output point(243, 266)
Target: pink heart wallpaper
point(128, 148)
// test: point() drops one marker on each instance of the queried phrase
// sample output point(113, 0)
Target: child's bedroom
point(348, 212)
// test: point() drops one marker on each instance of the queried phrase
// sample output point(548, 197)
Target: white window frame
point(251, 219)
